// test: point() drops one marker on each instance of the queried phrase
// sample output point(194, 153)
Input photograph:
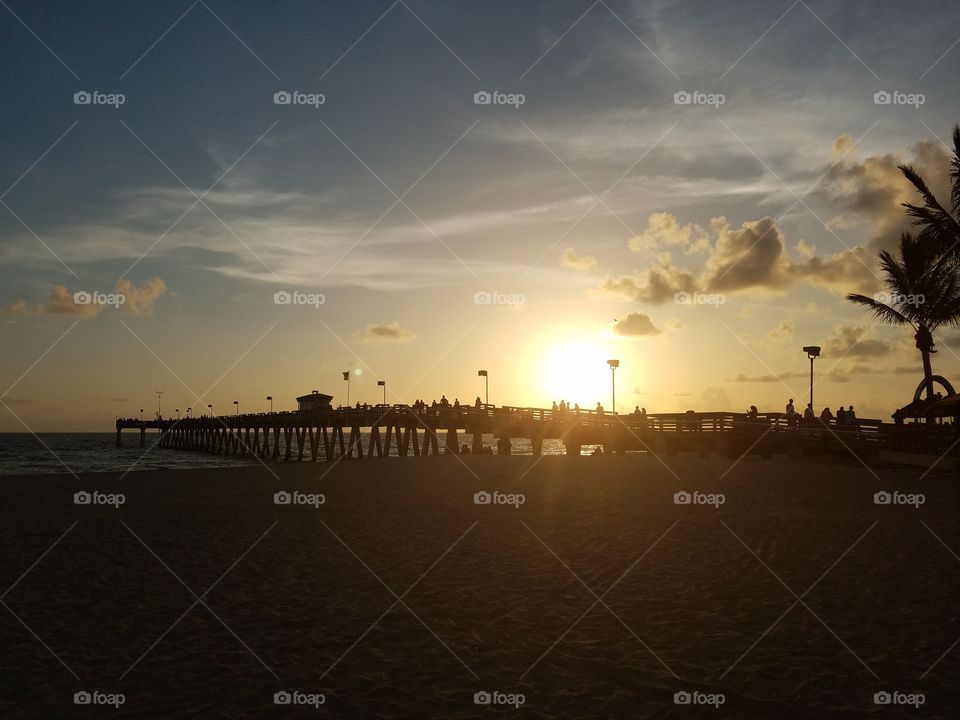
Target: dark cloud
point(391, 332)
point(636, 324)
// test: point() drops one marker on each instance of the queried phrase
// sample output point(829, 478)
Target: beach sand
point(598, 597)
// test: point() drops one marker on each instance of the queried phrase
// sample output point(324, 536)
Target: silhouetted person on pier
point(555, 408)
point(456, 403)
point(808, 416)
point(576, 409)
point(599, 410)
point(851, 417)
point(826, 416)
point(444, 402)
point(898, 417)
point(478, 404)
point(753, 414)
point(841, 417)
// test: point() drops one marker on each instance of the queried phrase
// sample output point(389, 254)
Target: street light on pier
point(270, 398)
point(210, 408)
point(177, 411)
point(189, 411)
point(486, 383)
point(614, 364)
point(159, 393)
point(346, 376)
point(236, 406)
point(383, 384)
point(813, 352)
point(141, 414)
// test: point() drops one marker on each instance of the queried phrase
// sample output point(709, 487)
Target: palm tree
point(938, 226)
point(922, 293)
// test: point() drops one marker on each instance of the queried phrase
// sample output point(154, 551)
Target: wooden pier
point(384, 430)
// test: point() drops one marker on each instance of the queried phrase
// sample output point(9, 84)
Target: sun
point(577, 371)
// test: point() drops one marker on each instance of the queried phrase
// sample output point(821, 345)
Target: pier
point(324, 433)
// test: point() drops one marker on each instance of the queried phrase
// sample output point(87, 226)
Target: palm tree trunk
point(927, 373)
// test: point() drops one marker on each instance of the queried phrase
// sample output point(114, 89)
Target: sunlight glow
point(576, 371)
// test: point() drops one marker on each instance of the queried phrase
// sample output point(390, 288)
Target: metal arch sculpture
point(941, 380)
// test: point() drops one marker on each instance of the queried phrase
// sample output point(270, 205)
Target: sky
point(531, 188)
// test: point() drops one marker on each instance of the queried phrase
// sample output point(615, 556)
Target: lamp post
point(486, 383)
point(210, 407)
point(141, 414)
point(159, 393)
point(614, 364)
point(383, 384)
point(189, 411)
point(813, 352)
point(270, 398)
point(236, 406)
point(346, 376)
point(177, 410)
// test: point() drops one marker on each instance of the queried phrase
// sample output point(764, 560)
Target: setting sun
point(576, 371)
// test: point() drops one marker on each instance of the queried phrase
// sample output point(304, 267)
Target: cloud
point(61, 301)
point(581, 263)
point(140, 300)
point(388, 333)
point(770, 378)
point(872, 188)
point(716, 398)
point(636, 324)
point(782, 333)
point(664, 229)
point(851, 341)
point(750, 257)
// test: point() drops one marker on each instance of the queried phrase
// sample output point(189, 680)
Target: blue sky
point(492, 198)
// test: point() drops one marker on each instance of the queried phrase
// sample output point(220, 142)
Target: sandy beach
point(594, 595)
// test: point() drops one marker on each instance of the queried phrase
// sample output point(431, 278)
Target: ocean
point(49, 453)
